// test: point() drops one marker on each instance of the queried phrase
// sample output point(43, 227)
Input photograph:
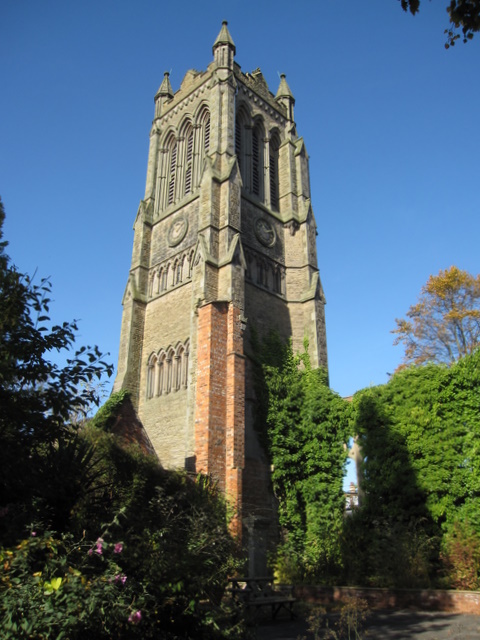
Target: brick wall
point(219, 418)
point(426, 599)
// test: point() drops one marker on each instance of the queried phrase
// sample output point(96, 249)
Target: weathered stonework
point(224, 243)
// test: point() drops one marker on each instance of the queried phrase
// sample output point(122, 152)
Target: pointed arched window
point(241, 147)
point(179, 357)
point(184, 380)
point(169, 377)
point(164, 278)
point(168, 371)
point(256, 167)
point(205, 126)
point(190, 263)
point(151, 375)
point(206, 135)
point(202, 143)
point(189, 161)
point(160, 374)
point(277, 280)
point(151, 283)
point(238, 139)
point(258, 137)
point(172, 170)
point(273, 166)
point(178, 270)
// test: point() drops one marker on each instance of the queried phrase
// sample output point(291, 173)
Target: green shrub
point(161, 575)
point(55, 587)
point(461, 556)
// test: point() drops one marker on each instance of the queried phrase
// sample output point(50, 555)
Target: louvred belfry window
point(189, 163)
point(258, 160)
point(238, 139)
point(206, 138)
point(273, 161)
point(173, 169)
point(239, 142)
point(255, 163)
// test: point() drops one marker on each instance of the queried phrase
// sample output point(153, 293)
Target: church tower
point(225, 243)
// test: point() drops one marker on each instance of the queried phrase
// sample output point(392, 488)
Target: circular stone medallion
point(177, 231)
point(265, 232)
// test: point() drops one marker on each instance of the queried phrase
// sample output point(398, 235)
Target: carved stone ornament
point(177, 232)
point(264, 232)
point(293, 227)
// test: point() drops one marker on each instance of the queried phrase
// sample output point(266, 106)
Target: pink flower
point(135, 618)
point(118, 548)
point(99, 548)
point(90, 551)
point(34, 533)
point(120, 578)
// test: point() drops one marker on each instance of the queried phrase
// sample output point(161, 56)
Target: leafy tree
point(388, 482)
point(420, 437)
point(307, 430)
point(432, 412)
point(385, 541)
point(464, 15)
point(37, 395)
point(444, 324)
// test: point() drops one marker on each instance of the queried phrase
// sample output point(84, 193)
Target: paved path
point(387, 625)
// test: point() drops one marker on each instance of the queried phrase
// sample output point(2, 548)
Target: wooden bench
point(254, 593)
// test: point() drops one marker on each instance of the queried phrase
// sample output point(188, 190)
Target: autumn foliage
point(444, 325)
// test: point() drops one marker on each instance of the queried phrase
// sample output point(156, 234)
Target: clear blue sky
point(389, 117)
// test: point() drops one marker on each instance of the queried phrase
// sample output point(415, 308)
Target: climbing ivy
point(107, 414)
point(305, 428)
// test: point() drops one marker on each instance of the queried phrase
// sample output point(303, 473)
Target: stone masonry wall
point(167, 322)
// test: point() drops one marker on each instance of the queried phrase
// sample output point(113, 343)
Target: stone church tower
point(225, 242)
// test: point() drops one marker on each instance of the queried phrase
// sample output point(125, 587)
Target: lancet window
point(190, 263)
point(171, 273)
point(178, 271)
point(170, 361)
point(204, 124)
point(189, 162)
point(266, 273)
point(273, 169)
point(164, 278)
point(258, 158)
point(206, 134)
point(160, 374)
point(151, 375)
point(277, 280)
point(167, 371)
point(172, 169)
point(182, 159)
point(242, 146)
